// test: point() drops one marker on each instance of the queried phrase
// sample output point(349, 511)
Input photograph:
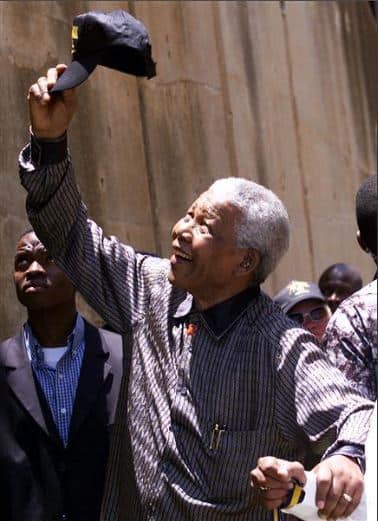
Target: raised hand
point(50, 114)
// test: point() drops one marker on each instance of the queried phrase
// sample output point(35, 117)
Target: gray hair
point(264, 222)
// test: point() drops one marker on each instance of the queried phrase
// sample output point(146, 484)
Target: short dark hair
point(341, 271)
point(366, 212)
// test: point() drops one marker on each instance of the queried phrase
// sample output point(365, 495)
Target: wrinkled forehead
point(204, 202)
point(215, 203)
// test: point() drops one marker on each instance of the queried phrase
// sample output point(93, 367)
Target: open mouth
point(183, 255)
point(34, 287)
point(179, 255)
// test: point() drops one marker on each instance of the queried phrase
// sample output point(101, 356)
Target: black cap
point(297, 291)
point(115, 39)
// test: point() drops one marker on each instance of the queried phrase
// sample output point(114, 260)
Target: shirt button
point(63, 410)
point(61, 376)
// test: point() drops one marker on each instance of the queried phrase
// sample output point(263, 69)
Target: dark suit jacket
point(18, 490)
point(54, 483)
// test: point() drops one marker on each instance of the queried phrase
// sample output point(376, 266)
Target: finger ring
point(264, 489)
point(347, 497)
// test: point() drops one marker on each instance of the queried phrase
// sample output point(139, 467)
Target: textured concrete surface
point(283, 93)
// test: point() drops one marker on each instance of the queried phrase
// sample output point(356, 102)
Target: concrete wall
point(283, 93)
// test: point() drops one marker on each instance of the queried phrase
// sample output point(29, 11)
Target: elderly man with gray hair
point(217, 375)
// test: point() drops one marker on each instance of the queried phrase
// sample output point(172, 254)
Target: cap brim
point(76, 73)
point(288, 306)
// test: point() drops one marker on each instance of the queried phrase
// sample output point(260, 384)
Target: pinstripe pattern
point(266, 383)
point(59, 385)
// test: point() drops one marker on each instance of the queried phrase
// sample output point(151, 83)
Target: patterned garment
point(351, 339)
point(59, 385)
point(201, 408)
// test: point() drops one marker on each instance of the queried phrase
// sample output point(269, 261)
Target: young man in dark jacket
point(61, 382)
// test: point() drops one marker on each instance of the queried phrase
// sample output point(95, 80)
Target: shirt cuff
point(48, 151)
point(353, 452)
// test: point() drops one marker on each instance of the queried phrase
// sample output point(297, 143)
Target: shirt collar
point(185, 307)
point(222, 315)
point(74, 339)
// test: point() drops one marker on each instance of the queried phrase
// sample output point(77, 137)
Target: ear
point(249, 263)
point(361, 242)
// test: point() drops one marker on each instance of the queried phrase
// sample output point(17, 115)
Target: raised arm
point(111, 276)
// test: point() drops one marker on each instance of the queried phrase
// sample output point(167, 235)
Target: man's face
point(337, 285)
point(40, 283)
point(205, 259)
point(312, 314)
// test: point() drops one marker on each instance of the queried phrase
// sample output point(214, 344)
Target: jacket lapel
point(20, 378)
point(94, 372)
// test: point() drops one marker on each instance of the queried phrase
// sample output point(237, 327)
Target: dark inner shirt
point(222, 315)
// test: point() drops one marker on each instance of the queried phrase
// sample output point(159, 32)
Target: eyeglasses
point(316, 315)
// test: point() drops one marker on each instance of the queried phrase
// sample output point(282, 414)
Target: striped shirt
point(58, 385)
point(202, 407)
